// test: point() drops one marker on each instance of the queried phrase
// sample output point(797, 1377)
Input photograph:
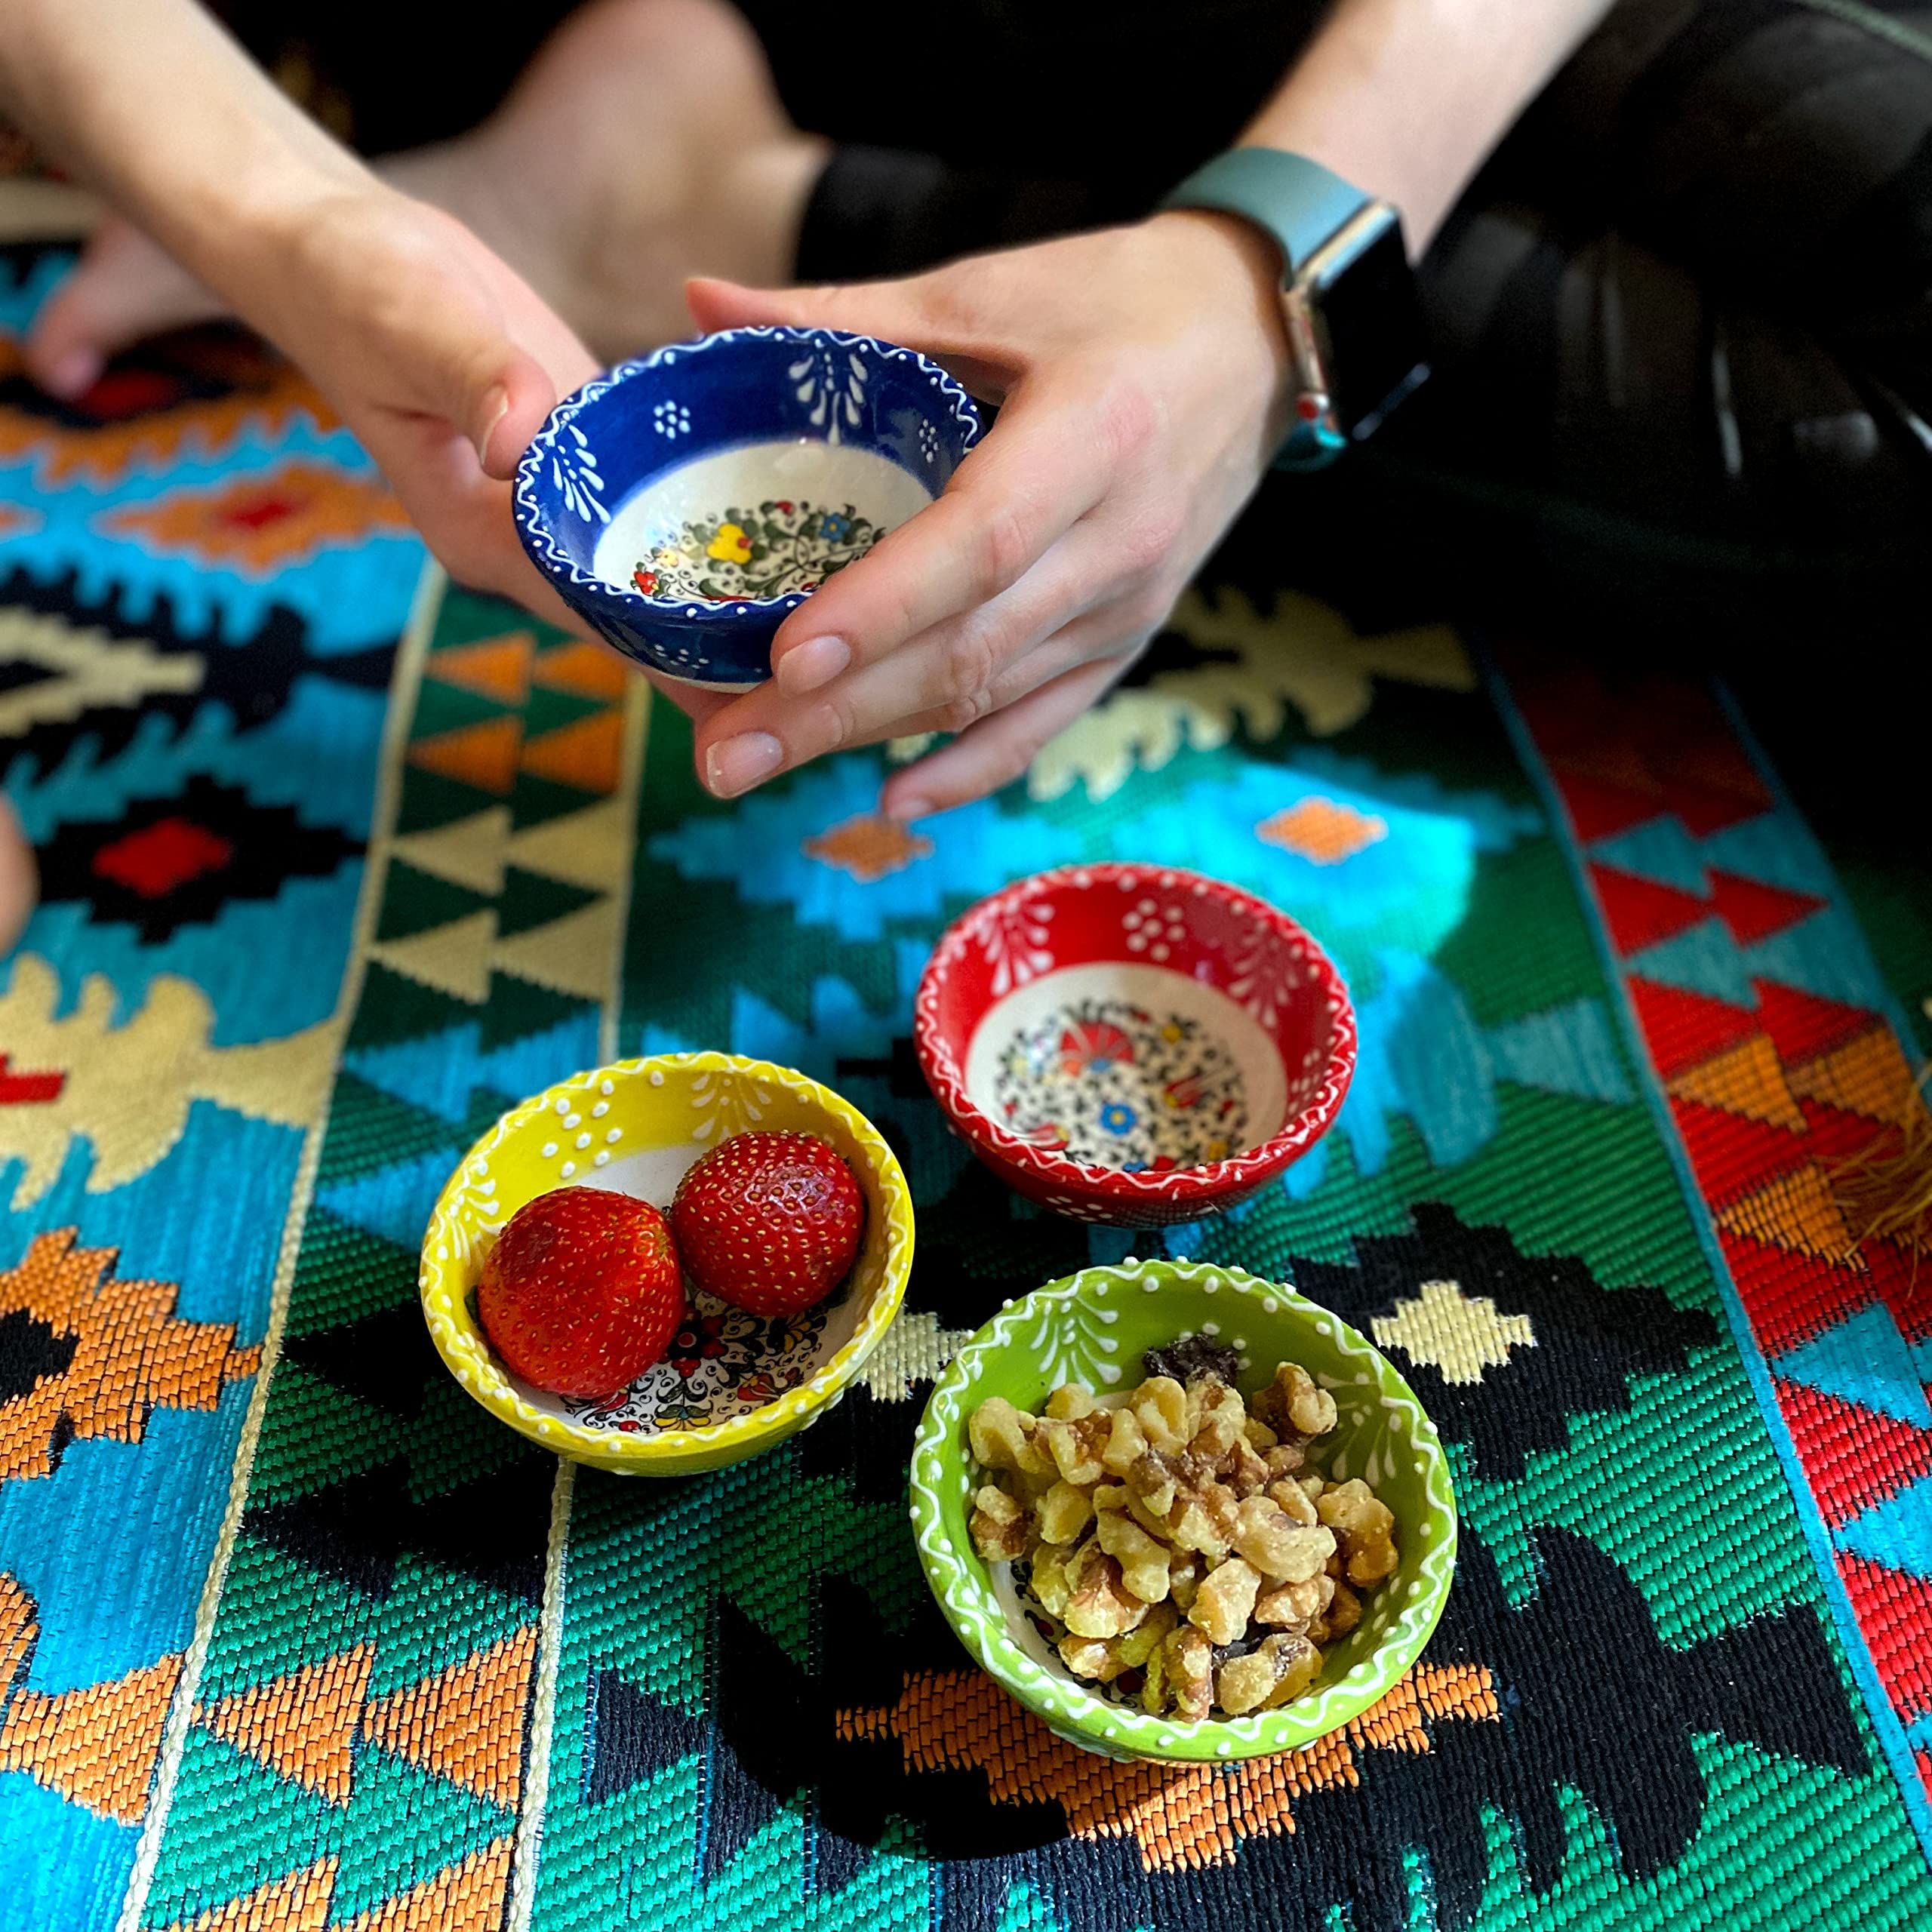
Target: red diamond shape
point(154, 860)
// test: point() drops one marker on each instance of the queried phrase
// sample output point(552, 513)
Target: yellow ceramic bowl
point(733, 1385)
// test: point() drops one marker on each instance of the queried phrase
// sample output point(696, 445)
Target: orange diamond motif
point(1322, 830)
point(867, 846)
point(265, 522)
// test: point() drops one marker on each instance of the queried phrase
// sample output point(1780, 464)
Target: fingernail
point(496, 407)
point(906, 810)
point(816, 661)
point(736, 765)
point(74, 374)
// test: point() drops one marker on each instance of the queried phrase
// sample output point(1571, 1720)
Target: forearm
point(149, 102)
point(1405, 98)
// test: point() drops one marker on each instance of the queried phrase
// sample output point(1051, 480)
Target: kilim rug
point(339, 861)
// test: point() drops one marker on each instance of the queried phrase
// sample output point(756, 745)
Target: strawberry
point(769, 1223)
point(582, 1293)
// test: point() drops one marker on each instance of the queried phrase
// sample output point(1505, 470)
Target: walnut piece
point(1363, 1523)
point(1062, 1512)
point(1143, 1561)
point(1225, 1601)
point(1001, 1527)
point(1101, 1605)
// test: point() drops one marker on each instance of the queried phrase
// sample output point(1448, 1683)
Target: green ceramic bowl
point(1094, 1328)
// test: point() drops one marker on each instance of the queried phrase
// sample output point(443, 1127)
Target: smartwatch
point(1349, 296)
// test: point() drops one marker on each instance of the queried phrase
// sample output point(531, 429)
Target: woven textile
point(338, 862)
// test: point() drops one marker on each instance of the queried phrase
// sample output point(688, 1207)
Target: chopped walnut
point(1341, 1617)
point(1226, 1601)
point(1280, 1667)
point(1363, 1523)
point(1075, 1446)
point(1292, 1500)
point(1062, 1512)
point(1101, 1605)
point(1294, 1606)
point(1299, 1663)
point(1143, 1561)
point(1295, 1403)
point(1001, 1437)
point(1190, 1661)
point(1069, 1402)
point(1287, 1551)
point(1001, 1528)
point(1160, 1407)
point(1137, 1645)
point(1179, 1524)
point(1086, 1656)
point(1126, 1443)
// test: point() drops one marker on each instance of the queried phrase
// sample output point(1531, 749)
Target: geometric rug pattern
point(341, 860)
point(1774, 1037)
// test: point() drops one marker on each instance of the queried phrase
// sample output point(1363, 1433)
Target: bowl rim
point(534, 527)
point(978, 1622)
point(1238, 1172)
point(459, 1340)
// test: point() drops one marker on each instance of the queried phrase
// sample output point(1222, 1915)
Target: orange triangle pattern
point(1795, 1210)
point(298, 1902)
point(588, 754)
point(1745, 1078)
point(493, 667)
point(96, 1746)
point(466, 1723)
point(584, 669)
point(1869, 1075)
point(468, 1897)
point(484, 755)
point(302, 1724)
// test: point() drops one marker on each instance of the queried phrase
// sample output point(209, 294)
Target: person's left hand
point(1142, 375)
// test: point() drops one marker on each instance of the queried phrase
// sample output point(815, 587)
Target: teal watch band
point(1304, 206)
point(1297, 201)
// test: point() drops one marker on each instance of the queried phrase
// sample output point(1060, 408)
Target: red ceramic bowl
point(1133, 1043)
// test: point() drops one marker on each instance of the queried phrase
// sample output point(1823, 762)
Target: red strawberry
point(582, 1293)
point(769, 1223)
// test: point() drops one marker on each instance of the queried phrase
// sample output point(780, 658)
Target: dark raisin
point(1192, 1357)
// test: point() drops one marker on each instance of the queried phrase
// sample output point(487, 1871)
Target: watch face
point(1377, 348)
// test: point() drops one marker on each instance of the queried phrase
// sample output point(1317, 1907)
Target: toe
point(124, 289)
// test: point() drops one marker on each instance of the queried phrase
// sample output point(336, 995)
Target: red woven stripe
point(1895, 1612)
point(1853, 1457)
point(1790, 1295)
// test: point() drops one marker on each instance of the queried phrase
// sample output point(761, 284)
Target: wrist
point(1237, 268)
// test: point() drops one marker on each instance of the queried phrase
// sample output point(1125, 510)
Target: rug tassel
point(1887, 1196)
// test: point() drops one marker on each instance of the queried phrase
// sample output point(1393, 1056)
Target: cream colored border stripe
point(401, 708)
point(556, 1575)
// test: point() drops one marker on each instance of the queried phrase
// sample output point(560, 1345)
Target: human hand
point(1143, 379)
point(439, 357)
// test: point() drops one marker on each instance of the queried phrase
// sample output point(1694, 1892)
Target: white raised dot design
point(600, 1159)
point(602, 1108)
point(615, 1134)
point(657, 1076)
point(1210, 1328)
point(549, 1150)
point(568, 1169)
point(1224, 1750)
point(606, 1086)
point(563, 1106)
point(573, 1120)
point(582, 1142)
point(1270, 1305)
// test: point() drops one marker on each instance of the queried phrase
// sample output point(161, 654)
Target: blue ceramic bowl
point(683, 504)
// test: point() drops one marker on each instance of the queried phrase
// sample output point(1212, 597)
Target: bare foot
point(20, 879)
point(644, 144)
